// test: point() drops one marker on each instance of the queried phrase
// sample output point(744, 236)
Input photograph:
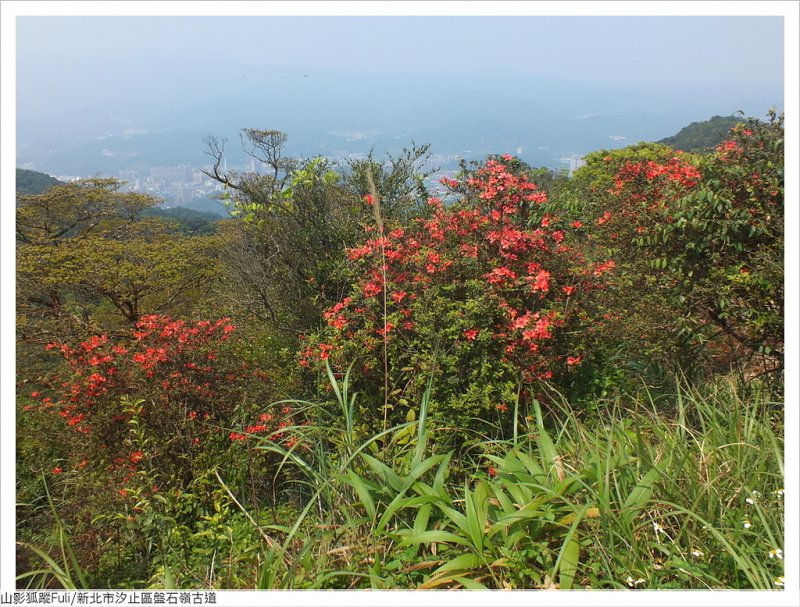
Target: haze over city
point(121, 95)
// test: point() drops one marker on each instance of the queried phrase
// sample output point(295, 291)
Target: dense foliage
point(34, 182)
point(702, 136)
point(480, 292)
point(534, 381)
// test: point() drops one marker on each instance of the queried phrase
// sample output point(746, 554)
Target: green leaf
point(640, 495)
point(355, 481)
point(433, 536)
point(547, 449)
point(465, 562)
point(470, 584)
point(570, 554)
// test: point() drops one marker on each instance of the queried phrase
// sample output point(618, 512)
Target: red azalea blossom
point(492, 261)
point(604, 267)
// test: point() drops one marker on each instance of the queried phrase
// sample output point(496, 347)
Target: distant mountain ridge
point(34, 182)
point(338, 114)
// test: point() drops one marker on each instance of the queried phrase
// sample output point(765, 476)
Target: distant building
point(573, 162)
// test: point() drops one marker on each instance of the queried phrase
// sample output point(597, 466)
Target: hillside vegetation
point(533, 380)
point(34, 182)
point(702, 136)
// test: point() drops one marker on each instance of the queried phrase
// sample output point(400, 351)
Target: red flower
point(604, 267)
point(387, 328)
point(577, 224)
point(398, 296)
point(492, 471)
point(574, 360)
point(471, 334)
point(500, 275)
point(541, 282)
point(57, 470)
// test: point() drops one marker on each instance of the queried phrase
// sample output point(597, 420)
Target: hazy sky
point(84, 54)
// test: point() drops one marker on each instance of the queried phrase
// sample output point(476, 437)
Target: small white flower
point(747, 524)
point(756, 493)
point(633, 583)
point(779, 581)
point(750, 501)
point(697, 553)
point(658, 528)
point(779, 492)
point(777, 553)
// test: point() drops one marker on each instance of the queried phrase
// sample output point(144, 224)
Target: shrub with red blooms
point(698, 247)
point(190, 392)
point(479, 295)
point(627, 193)
point(725, 242)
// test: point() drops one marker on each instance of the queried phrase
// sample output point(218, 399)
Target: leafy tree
point(190, 221)
point(617, 198)
point(87, 261)
point(293, 222)
point(724, 242)
point(399, 182)
point(76, 210)
point(286, 240)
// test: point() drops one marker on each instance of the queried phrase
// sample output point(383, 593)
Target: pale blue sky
point(84, 53)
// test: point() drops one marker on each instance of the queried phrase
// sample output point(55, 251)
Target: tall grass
point(684, 492)
point(630, 497)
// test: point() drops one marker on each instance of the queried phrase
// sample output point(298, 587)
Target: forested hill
point(191, 221)
point(702, 136)
point(34, 182)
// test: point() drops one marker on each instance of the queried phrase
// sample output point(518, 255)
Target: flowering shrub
point(480, 294)
point(627, 193)
point(698, 247)
point(188, 389)
point(724, 243)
